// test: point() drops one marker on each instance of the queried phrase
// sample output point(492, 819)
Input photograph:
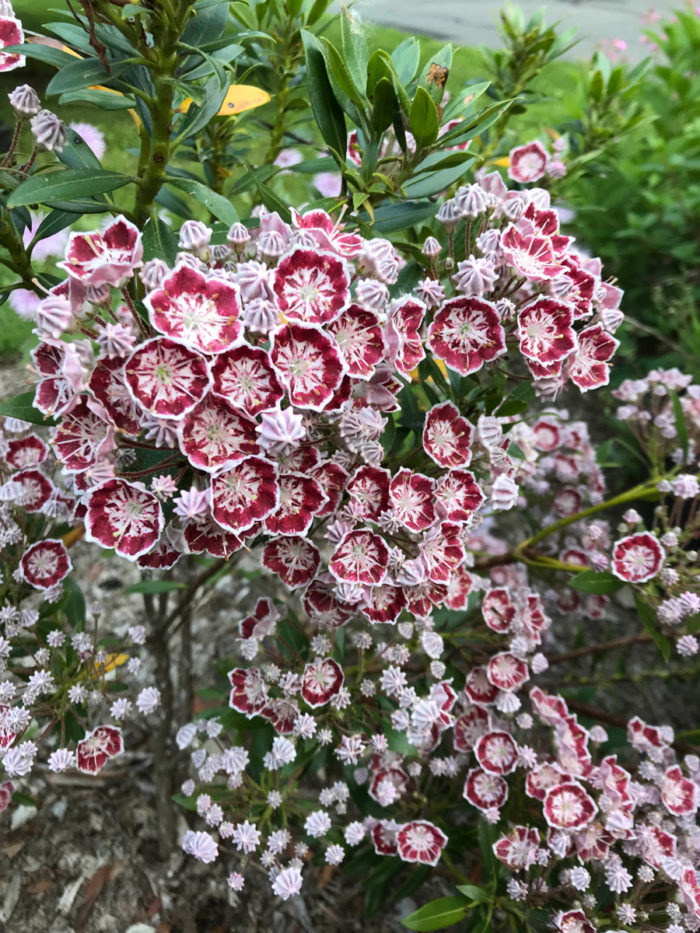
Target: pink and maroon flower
point(308, 364)
point(479, 688)
point(543, 778)
point(679, 794)
point(361, 557)
point(248, 691)
point(546, 435)
point(45, 563)
point(123, 516)
point(62, 377)
point(94, 751)
point(108, 258)
point(295, 560)
point(384, 837)
point(412, 496)
point(201, 312)
point(466, 333)
point(261, 621)
point(166, 378)
point(326, 233)
point(498, 610)
point(459, 588)
point(7, 788)
point(568, 806)
point(323, 608)
point(213, 436)
point(208, 537)
point(545, 330)
point(25, 452)
point(332, 479)
point(359, 336)
point(442, 552)
point(589, 367)
point(528, 163)
point(395, 776)
point(37, 489)
point(162, 556)
point(321, 681)
point(244, 378)
point(637, 558)
point(530, 255)
point(518, 849)
point(108, 385)
point(369, 490)
point(447, 436)
point(469, 727)
point(83, 436)
point(299, 497)
point(497, 752)
point(574, 921)
point(507, 672)
point(458, 495)
point(384, 603)
point(420, 841)
point(10, 34)
point(245, 494)
point(311, 286)
point(404, 343)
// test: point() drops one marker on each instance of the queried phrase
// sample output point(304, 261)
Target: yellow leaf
point(75, 534)
point(239, 97)
point(503, 162)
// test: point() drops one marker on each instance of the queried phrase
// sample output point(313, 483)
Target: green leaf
point(423, 118)
point(77, 154)
point(197, 117)
point(54, 223)
point(105, 100)
point(83, 73)
point(74, 604)
point(406, 58)
point(22, 406)
point(650, 623)
point(385, 105)
point(326, 108)
point(42, 53)
point(354, 46)
point(218, 205)
point(155, 586)
point(50, 187)
point(511, 406)
point(159, 241)
point(207, 24)
point(438, 914)
point(431, 182)
point(598, 583)
point(474, 893)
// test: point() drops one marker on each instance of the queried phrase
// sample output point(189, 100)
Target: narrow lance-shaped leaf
point(78, 184)
point(327, 112)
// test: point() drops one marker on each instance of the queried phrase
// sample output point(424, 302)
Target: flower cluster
point(280, 392)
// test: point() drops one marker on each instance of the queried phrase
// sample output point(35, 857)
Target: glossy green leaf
point(82, 73)
point(105, 100)
point(598, 583)
point(423, 119)
point(22, 406)
point(77, 154)
point(438, 914)
point(354, 48)
point(67, 185)
point(431, 183)
point(159, 241)
point(217, 204)
point(326, 108)
point(406, 59)
point(42, 53)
